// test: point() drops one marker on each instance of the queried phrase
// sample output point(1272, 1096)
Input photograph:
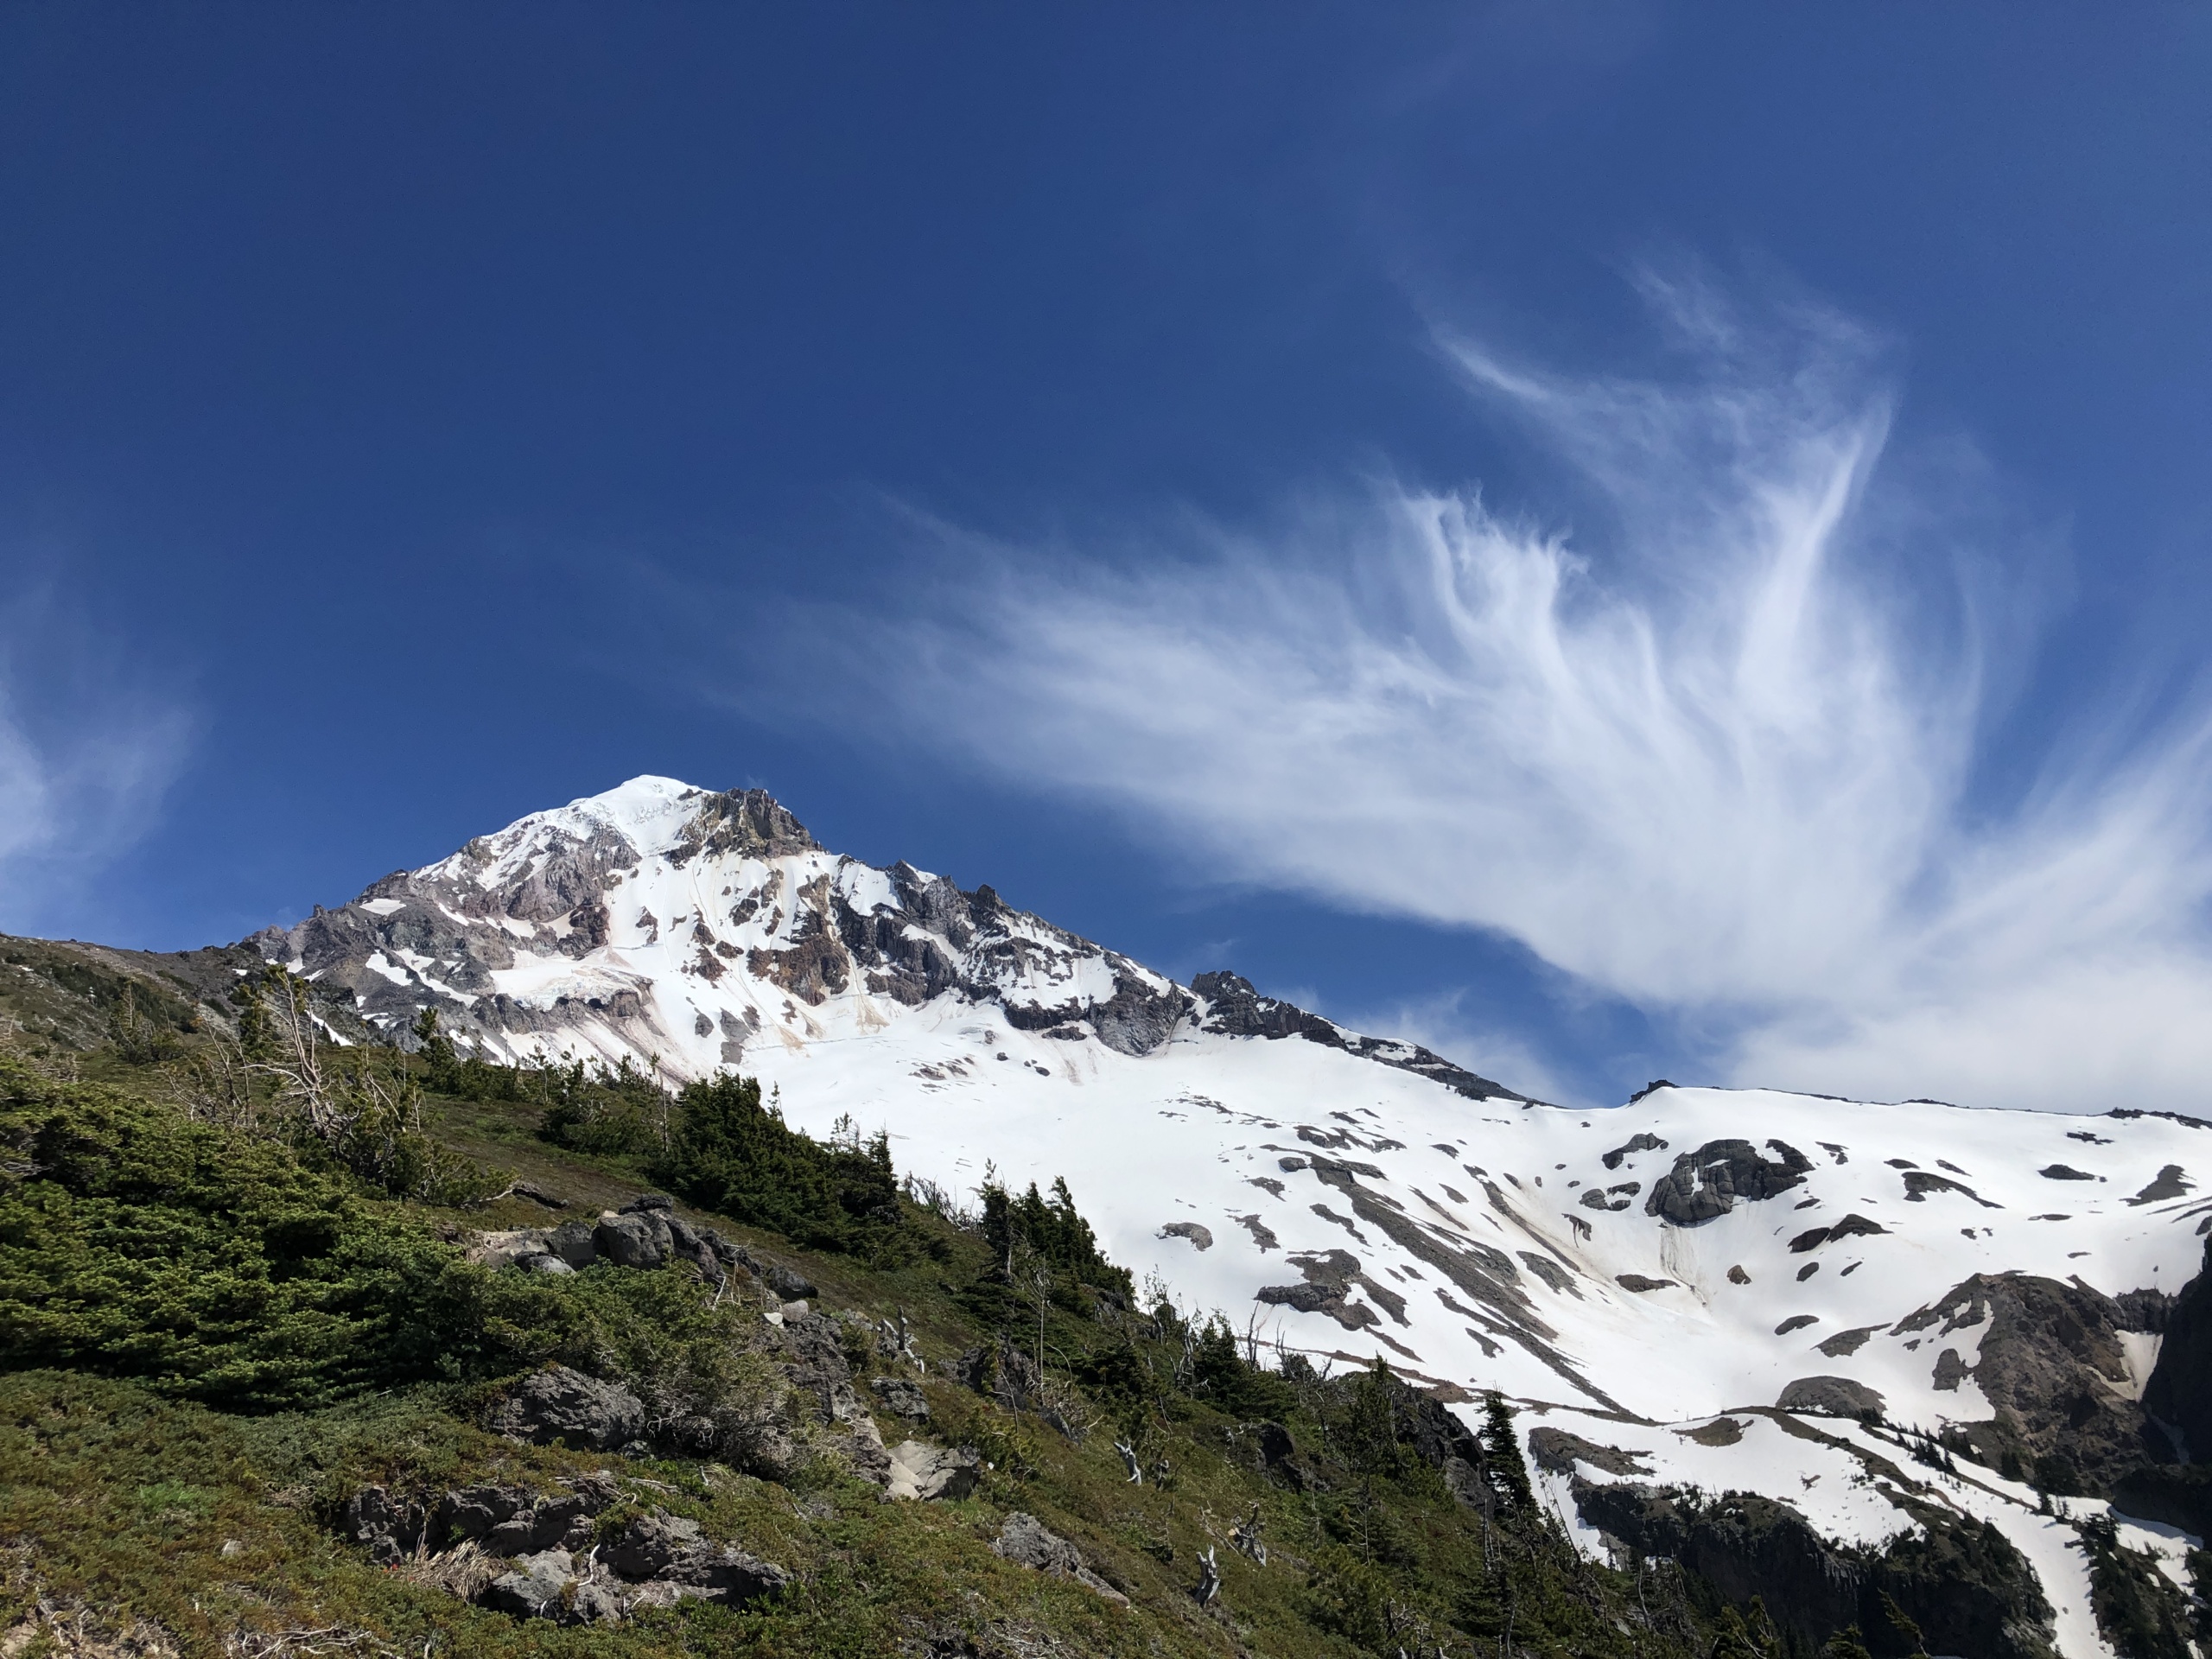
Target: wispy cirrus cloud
point(1716, 755)
point(88, 747)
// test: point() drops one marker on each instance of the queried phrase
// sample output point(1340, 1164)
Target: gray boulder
point(727, 1575)
point(536, 1589)
point(900, 1396)
point(473, 1513)
point(633, 1240)
point(560, 1404)
point(593, 1603)
point(651, 1543)
point(677, 1560)
point(920, 1472)
point(390, 1527)
point(572, 1242)
point(1026, 1542)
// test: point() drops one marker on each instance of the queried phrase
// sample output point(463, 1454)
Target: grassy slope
point(114, 1498)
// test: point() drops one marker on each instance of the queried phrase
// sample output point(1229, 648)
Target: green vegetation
point(236, 1285)
point(734, 1155)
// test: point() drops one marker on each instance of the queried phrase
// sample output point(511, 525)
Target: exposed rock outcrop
point(1707, 1183)
point(2179, 1390)
point(2054, 1372)
point(558, 1404)
point(1830, 1397)
point(1232, 1006)
point(1969, 1590)
point(1025, 1541)
point(921, 1471)
point(542, 1563)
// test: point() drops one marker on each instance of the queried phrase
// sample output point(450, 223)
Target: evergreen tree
point(730, 1153)
point(1902, 1623)
point(1509, 1471)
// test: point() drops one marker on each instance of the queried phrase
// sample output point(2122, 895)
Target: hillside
point(1810, 1350)
point(254, 1405)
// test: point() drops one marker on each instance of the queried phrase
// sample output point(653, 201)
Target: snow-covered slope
point(1635, 1275)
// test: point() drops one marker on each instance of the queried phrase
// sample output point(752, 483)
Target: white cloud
point(1719, 764)
point(86, 752)
point(1444, 1023)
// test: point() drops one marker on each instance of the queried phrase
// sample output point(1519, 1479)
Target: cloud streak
point(1716, 755)
point(87, 752)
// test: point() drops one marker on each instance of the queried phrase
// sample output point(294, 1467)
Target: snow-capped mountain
point(1703, 1288)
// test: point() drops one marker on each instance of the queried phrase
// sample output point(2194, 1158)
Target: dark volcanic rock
point(536, 1589)
point(1969, 1590)
point(652, 1542)
point(1557, 1451)
point(2054, 1371)
point(1707, 1183)
point(559, 1404)
point(640, 1240)
point(900, 1396)
point(2179, 1392)
point(1833, 1397)
point(1024, 1539)
point(1633, 1145)
point(1233, 1008)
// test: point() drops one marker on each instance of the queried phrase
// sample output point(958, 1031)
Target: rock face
point(513, 1520)
point(1231, 1005)
point(1707, 1183)
point(503, 1520)
point(921, 1471)
point(1969, 1590)
point(561, 1404)
point(819, 1373)
point(1831, 1396)
point(2179, 1391)
point(900, 1396)
point(536, 1587)
point(553, 1572)
point(2053, 1368)
point(1025, 1540)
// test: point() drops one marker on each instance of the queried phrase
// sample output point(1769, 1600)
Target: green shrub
point(218, 1266)
point(734, 1154)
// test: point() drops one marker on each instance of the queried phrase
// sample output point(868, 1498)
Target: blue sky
point(1623, 539)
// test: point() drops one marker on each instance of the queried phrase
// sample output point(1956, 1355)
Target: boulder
point(727, 1575)
point(651, 1543)
point(1833, 1397)
point(572, 1242)
point(788, 1285)
point(594, 1603)
point(473, 1513)
point(501, 1249)
point(550, 1265)
point(560, 1404)
point(633, 1240)
point(1025, 1541)
point(390, 1527)
point(677, 1560)
point(920, 1472)
point(900, 1396)
point(536, 1589)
